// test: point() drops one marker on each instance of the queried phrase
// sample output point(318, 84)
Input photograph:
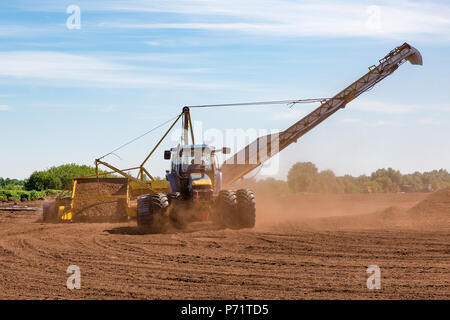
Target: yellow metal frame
point(142, 169)
point(135, 186)
point(187, 124)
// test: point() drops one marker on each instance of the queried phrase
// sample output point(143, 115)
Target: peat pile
point(100, 200)
point(433, 210)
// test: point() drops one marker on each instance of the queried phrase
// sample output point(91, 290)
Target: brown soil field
point(303, 247)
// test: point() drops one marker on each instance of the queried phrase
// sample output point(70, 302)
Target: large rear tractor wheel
point(226, 209)
point(50, 212)
point(246, 208)
point(149, 207)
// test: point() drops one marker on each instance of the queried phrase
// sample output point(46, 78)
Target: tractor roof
point(194, 146)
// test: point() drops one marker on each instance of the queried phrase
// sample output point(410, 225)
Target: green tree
point(301, 176)
point(12, 184)
point(57, 177)
point(42, 180)
point(349, 184)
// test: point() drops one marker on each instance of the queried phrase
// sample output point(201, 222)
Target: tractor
point(195, 182)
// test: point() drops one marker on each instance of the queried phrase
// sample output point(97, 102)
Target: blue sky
point(73, 95)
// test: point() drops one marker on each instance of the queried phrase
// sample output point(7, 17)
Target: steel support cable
point(287, 102)
point(139, 137)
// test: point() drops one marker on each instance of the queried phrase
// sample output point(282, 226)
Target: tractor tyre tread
point(246, 208)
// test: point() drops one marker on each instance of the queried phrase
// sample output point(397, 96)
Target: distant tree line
point(23, 195)
point(54, 178)
point(304, 177)
point(11, 184)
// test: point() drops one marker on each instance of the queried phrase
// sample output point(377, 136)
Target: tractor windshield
point(197, 156)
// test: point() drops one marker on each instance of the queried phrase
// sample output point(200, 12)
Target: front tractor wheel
point(149, 206)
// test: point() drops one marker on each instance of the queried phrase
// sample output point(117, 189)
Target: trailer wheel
point(246, 208)
point(148, 205)
point(49, 212)
point(226, 209)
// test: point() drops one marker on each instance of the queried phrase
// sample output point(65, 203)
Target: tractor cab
point(193, 170)
point(195, 159)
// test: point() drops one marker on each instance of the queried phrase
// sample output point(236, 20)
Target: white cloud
point(289, 114)
point(351, 120)
point(4, 107)
point(19, 31)
point(384, 124)
point(374, 106)
point(429, 121)
point(55, 68)
point(152, 43)
point(381, 107)
point(380, 123)
point(293, 18)
point(445, 108)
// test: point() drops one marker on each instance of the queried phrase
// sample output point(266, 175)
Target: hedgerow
point(22, 195)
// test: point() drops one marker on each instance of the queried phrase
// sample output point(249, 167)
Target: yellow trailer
point(100, 199)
